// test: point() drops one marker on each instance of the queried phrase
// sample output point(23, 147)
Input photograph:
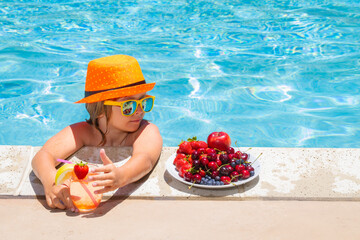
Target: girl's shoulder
point(147, 127)
point(86, 133)
point(82, 127)
point(146, 130)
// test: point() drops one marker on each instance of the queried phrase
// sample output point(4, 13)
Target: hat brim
point(118, 93)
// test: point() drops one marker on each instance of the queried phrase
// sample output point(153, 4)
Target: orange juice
point(83, 196)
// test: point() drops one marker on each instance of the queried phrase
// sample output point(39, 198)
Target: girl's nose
point(138, 109)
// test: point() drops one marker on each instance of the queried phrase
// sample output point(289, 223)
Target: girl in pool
point(116, 99)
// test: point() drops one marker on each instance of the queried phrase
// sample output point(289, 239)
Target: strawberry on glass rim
point(81, 170)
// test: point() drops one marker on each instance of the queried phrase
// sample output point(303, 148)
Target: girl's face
point(127, 123)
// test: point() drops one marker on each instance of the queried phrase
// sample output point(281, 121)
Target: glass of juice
point(82, 194)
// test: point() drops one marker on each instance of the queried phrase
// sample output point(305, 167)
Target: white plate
point(170, 167)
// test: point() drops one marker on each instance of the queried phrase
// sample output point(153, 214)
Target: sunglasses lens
point(147, 104)
point(129, 107)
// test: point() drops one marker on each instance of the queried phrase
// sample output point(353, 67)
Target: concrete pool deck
point(300, 192)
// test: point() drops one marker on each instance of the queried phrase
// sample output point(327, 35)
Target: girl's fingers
point(99, 177)
point(101, 169)
point(67, 199)
point(104, 190)
point(49, 202)
point(104, 157)
point(58, 204)
point(104, 183)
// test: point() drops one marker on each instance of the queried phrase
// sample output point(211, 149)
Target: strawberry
point(81, 170)
point(185, 147)
point(183, 169)
point(189, 160)
point(193, 142)
point(179, 156)
point(180, 162)
point(196, 144)
point(201, 144)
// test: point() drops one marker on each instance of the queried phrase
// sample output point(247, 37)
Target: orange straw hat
point(114, 77)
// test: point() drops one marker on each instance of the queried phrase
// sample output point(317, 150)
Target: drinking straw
point(64, 161)
point(89, 193)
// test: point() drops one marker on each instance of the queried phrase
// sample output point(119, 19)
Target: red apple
point(219, 140)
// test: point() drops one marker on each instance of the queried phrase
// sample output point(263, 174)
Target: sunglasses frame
point(138, 102)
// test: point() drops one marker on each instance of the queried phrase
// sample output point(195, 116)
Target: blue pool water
point(270, 73)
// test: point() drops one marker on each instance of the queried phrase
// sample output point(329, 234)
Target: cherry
point(201, 150)
point(231, 156)
point(239, 168)
point(234, 176)
point(249, 168)
point(202, 173)
point(218, 162)
point(244, 156)
point(196, 163)
point(204, 161)
point(224, 171)
point(224, 158)
point(210, 150)
point(212, 157)
point(230, 150)
point(225, 179)
point(245, 174)
point(215, 173)
point(196, 178)
point(195, 155)
point(212, 166)
point(188, 176)
point(238, 154)
point(229, 168)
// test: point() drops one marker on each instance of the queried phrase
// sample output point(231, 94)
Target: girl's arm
point(146, 151)
point(62, 145)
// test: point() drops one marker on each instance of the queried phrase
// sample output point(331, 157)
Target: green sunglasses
point(128, 107)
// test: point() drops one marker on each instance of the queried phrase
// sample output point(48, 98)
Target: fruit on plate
point(81, 170)
point(219, 140)
point(64, 173)
point(212, 163)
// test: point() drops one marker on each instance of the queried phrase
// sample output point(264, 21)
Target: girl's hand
point(110, 179)
point(58, 196)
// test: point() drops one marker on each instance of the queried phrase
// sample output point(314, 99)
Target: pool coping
point(305, 174)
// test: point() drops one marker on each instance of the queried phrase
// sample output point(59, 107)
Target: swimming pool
point(270, 73)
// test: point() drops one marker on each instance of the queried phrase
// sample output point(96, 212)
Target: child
point(114, 89)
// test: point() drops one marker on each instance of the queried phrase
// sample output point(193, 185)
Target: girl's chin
point(134, 125)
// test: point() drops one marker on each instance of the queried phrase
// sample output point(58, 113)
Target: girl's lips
point(135, 121)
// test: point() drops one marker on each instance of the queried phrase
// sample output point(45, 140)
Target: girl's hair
point(95, 110)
